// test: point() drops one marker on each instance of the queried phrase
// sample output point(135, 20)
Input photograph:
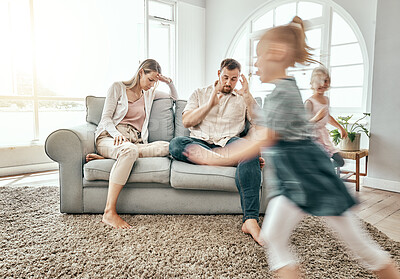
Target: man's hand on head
point(216, 95)
point(245, 86)
point(244, 91)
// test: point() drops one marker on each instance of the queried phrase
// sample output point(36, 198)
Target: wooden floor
point(381, 209)
point(377, 207)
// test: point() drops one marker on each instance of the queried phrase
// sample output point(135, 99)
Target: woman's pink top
point(136, 114)
point(321, 132)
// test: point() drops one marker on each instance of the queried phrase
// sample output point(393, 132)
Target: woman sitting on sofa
point(122, 133)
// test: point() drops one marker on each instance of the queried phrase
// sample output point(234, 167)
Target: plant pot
point(347, 145)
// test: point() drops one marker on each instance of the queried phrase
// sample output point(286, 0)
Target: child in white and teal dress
point(305, 182)
point(318, 106)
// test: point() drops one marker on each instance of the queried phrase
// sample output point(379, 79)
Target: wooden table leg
point(357, 172)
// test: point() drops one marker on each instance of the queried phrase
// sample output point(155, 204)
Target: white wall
point(24, 159)
point(223, 20)
point(384, 163)
point(200, 3)
point(190, 49)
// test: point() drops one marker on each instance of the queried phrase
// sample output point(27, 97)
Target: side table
point(354, 155)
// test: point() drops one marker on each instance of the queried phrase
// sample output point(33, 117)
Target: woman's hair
point(319, 74)
point(293, 35)
point(148, 65)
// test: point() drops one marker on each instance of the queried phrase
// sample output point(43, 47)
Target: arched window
point(337, 43)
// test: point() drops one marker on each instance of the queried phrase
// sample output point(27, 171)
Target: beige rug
point(36, 241)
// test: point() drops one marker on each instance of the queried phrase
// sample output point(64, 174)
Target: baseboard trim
point(17, 170)
point(382, 184)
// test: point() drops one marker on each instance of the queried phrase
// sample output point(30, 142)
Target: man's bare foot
point(389, 271)
point(93, 156)
point(251, 227)
point(262, 162)
point(113, 219)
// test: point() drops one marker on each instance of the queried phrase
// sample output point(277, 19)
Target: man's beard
point(226, 89)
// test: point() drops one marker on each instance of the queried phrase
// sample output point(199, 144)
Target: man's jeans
point(247, 177)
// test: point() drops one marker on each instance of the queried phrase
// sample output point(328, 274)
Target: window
point(336, 41)
point(56, 52)
point(161, 39)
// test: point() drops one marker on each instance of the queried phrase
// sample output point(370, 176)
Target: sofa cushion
point(180, 131)
point(153, 169)
point(94, 109)
point(189, 176)
point(161, 124)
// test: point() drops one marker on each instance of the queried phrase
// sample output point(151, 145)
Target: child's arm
point(308, 105)
point(334, 123)
point(319, 115)
point(233, 153)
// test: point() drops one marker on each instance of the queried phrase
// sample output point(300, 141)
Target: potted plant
point(354, 130)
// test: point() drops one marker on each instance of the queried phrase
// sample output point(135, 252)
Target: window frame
point(325, 22)
point(35, 98)
point(170, 24)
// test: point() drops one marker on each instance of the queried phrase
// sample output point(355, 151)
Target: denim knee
point(252, 165)
point(177, 147)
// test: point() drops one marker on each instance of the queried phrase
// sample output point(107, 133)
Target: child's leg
point(361, 245)
point(338, 160)
point(281, 218)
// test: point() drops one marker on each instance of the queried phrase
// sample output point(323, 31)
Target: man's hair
point(230, 64)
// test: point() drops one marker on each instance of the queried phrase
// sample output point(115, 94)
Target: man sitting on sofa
point(216, 116)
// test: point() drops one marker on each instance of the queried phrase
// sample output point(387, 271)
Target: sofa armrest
point(69, 147)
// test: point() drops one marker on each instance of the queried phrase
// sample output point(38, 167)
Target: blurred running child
point(305, 180)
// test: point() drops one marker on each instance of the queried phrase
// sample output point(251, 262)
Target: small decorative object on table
point(352, 142)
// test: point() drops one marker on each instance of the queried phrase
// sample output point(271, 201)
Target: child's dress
point(302, 170)
point(320, 130)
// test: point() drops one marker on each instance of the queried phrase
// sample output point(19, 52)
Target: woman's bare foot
point(251, 227)
point(93, 156)
point(112, 218)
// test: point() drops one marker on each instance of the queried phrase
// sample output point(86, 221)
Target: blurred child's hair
point(293, 35)
point(319, 75)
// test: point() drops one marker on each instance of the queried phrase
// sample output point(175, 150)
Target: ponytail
point(302, 51)
point(293, 35)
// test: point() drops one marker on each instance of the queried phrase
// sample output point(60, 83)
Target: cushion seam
point(100, 170)
point(202, 174)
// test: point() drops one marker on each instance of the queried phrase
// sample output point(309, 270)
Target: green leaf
point(352, 136)
point(335, 136)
